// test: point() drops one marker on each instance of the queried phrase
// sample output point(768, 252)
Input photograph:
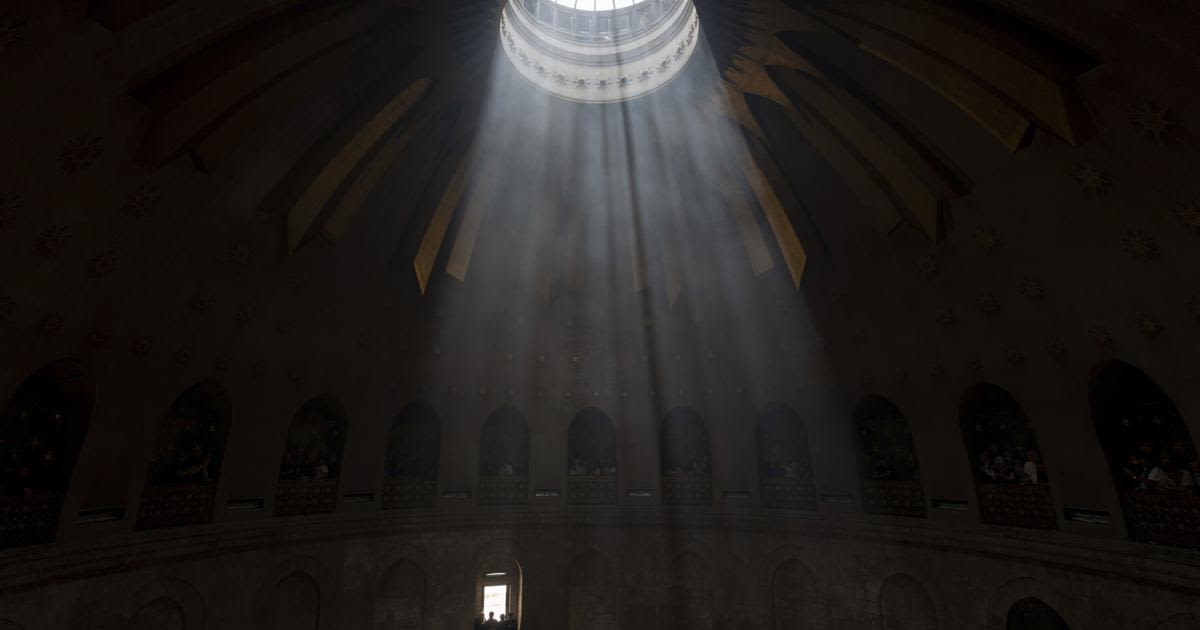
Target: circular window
point(599, 51)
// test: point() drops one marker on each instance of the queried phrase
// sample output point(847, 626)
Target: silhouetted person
point(479, 621)
point(511, 622)
point(491, 623)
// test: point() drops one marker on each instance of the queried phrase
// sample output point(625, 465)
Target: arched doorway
point(312, 458)
point(690, 594)
point(904, 604)
point(42, 432)
point(400, 598)
point(795, 599)
point(1034, 614)
point(1010, 479)
point(498, 588)
point(181, 480)
point(592, 595)
point(1150, 454)
point(684, 459)
point(504, 459)
point(887, 460)
point(162, 613)
point(411, 467)
point(785, 476)
point(591, 459)
point(293, 604)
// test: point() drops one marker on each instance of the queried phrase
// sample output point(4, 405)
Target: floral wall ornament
point(184, 354)
point(988, 238)
point(1189, 215)
point(989, 305)
point(1015, 358)
point(102, 263)
point(202, 300)
point(7, 306)
point(1056, 349)
point(243, 314)
point(141, 346)
point(1150, 325)
point(1140, 245)
point(141, 202)
point(1033, 290)
point(946, 318)
point(99, 336)
point(12, 31)
point(11, 205)
point(1093, 179)
point(975, 365)
point(79, 153)
point(52, 241)
point(1100, 336)
point(1154, 121)
point(52, 324)
point(929, 266)
point(900, 376)
point(937, 371)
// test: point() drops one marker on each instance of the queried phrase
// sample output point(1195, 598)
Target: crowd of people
point(30, 465)
point(505, 622)
point(1015, 465)
point(1174, 469)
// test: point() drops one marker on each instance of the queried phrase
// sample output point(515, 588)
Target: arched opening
point(592, 596)
point(1150, 454)
point(904, 604)
point(293, 604)
point(690, 594)
point(162, 613)
point(887, 460)
point(785, 476)
point(181, 480)
point(1034, 614)
point(684, 458)
point(504, 459)
point(591, 459)
point(795, 600)
point(400, 598)
point(312, 458)
point(1010, 478)
point(498, 592)
point(411, 467)
point(42, 432)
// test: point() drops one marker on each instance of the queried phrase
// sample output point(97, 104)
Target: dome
point(599, 51)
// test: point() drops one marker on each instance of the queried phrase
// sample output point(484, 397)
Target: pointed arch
point(1150, 454)
point(591, 459)
point(795, 597)
point(887, 460)
point(162, 613)
point(400, 597)
point(592, 593)
point(785, 476)
point(1032, 613)
point(905, 604)
point(1010, 479)
point(685, 459)
point(181, 478)
point(691, 592)
point(312, 458)
point(504, 458)
point(293, 603)
point(42, 432)
point(413, 452)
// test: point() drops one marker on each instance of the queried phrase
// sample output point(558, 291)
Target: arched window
point(887, 461)
point(411, 469)
point(591, 459)
point(504, 459)
point(162, 613)
point(1034, 614)
point(181, 480)
point(42, 432)
point(684, 457)
point(593, 593)
point(312, 458)
point(785, 477)
point(690, 594)
point(1150, 453)
point(400, 598)
point(293, 604)
point(795, 600)
point(904, 604)
point(1010, 478)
